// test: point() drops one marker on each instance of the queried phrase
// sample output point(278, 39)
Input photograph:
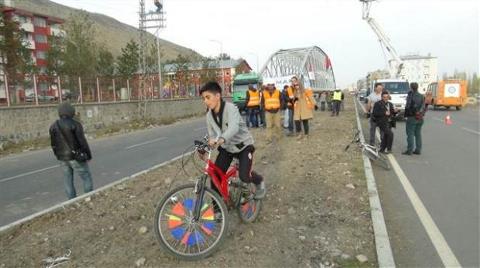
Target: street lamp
point(256, 56)
point(220, 62)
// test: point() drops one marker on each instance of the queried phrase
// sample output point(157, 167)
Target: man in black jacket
point(68, 141)
point(414, 111)
point(383, 113)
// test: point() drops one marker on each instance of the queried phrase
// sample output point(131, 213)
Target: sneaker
point(260, 190)
point(407, 153)
point(416, 152)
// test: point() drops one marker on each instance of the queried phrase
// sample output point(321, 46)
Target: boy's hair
point(212, 87)
point(378, 84)
point(385, 92)
point(414, 86)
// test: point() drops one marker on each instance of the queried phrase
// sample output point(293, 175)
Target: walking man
point(414, 112)
point(71, 148)
point(375, 96)
point(336, 100)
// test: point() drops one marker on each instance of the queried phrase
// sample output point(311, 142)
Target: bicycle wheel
point(248, 207)
point(178, 232)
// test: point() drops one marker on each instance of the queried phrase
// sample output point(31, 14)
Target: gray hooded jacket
point(234, 130)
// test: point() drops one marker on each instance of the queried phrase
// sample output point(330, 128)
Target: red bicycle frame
point(220, 179)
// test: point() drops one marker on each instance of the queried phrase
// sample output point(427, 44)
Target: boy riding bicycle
point(233, 139)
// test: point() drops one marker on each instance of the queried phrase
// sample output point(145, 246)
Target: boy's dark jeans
point(245, 159)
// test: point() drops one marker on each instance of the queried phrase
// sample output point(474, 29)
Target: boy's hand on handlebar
point(212, 142)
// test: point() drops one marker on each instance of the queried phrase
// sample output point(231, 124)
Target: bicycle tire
point(248, 207)
point(173, 227)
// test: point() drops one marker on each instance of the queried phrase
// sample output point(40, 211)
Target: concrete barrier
point(26, 123)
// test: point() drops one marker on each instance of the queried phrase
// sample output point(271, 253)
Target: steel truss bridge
point(311, 64)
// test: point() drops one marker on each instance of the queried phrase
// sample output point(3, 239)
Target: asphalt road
point(33, 181)
point(446, 178)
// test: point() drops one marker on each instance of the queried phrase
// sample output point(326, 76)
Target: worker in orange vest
point(272, 103)
point(253, 105)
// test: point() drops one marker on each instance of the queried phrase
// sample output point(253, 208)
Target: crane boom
point(397, 67)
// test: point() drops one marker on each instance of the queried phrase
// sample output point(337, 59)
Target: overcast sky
point(448, 29)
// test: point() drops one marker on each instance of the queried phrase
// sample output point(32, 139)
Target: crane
point(396, 68)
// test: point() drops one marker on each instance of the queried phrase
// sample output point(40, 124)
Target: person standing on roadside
point(375, 96)
point(304, 103)
point(272, 102)
point(415, 109)
point(383, 114)
point(253, 106)
point(323, 100)
point(71, 148)
point(336, 100)
point(288, 101)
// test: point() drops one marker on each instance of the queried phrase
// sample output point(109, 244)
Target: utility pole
point(150, 20)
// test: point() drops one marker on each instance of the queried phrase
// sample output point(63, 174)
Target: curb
point(79, 198)
point(382, 241)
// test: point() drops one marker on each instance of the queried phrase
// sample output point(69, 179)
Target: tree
point(128, 61)
point(207, 74)
point(55, 55)
point(181, 71)
point(224, 56)
point(80, 47)
point(15, 55)
point(105, 63)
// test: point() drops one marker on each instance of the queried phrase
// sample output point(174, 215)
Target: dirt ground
point(315, 214)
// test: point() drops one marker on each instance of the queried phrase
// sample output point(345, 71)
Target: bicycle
point(191, 220)
point(370, 151)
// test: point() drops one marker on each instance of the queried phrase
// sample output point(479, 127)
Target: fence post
point(128, 89)
point(114, 91)
point(7, 93)
point(98, 92)
point(80, 89)
point(60, 95)
point(35, 89)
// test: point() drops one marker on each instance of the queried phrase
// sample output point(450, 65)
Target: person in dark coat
point(383, 114)
point(68, 141)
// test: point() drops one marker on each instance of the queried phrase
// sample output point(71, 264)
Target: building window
point(40, 38)
point(41, 55)
point(39, 22)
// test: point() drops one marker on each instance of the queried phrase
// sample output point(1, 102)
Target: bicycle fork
point(200, 193)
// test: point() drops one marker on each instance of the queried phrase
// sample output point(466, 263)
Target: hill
point(110, 32)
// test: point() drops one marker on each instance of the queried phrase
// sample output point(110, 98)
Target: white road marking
point(27, 173)
point(471, 130)
point(145, 143)
point(443, 249)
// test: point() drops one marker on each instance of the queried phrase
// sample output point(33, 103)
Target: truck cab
point(240, 87)
point(398, 89)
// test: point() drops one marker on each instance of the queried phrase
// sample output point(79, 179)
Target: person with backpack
point(415, 109)
point(70, 147)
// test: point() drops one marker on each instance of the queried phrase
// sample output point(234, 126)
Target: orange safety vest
point(272, 101)
point(290, 96)
point(254, 98)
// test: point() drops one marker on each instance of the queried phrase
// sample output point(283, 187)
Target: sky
point(255, 29)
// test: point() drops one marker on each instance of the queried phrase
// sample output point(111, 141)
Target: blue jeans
point(290, 120)
point(81, 168)
point(253, 117)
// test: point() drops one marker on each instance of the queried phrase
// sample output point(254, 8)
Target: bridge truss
point(311, 64)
